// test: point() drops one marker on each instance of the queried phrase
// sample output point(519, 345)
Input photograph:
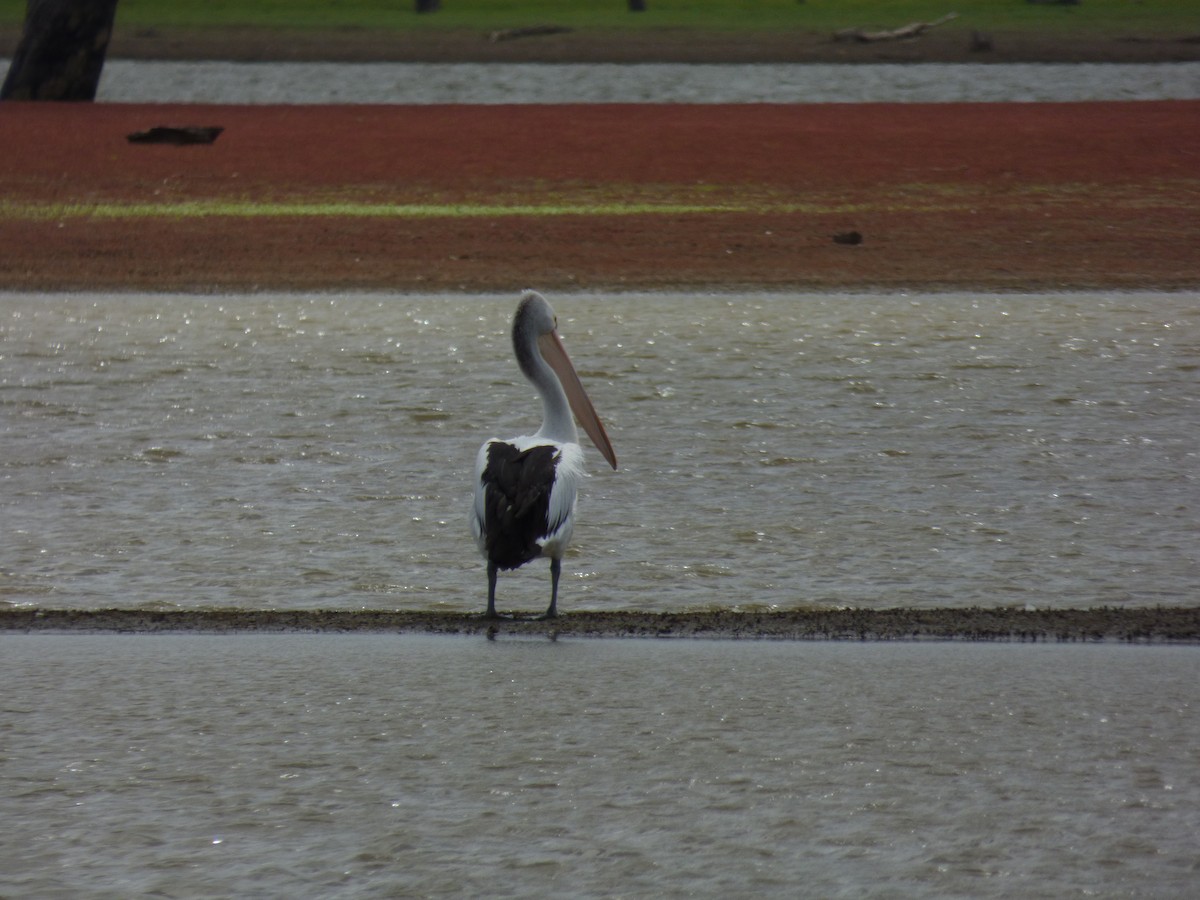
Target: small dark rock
point(852, 238)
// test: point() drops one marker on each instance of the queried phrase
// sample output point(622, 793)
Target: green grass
point(1113, 16)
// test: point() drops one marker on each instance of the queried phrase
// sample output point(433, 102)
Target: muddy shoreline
point(664, 45)
point(1141, 626)
point(952, 44)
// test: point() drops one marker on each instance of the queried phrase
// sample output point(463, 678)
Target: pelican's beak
point(556, 356)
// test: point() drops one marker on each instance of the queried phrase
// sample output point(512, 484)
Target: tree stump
point(61, 52)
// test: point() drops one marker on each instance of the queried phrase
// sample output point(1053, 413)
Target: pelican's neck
point(558, 422)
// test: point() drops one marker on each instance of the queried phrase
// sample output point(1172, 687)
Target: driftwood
point(170, 134)
point(906, 32)
point(509, 34)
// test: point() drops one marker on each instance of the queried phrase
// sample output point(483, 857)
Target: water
point(777, 451)
point(127, 81)
point(377, 766)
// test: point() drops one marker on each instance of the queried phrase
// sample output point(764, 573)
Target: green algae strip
point(1152, 625)
point(659, 200)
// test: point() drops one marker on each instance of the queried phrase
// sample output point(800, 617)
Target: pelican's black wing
point(516, 491)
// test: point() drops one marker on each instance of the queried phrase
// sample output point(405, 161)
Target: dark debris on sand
point(1160, 625)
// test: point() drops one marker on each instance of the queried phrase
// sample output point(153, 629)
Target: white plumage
point(525, 487)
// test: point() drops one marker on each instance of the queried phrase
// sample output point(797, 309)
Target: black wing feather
point(516, 496)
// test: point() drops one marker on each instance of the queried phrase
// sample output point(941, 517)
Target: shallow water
point(127, 81)
point(377, 766)
point(311, 451)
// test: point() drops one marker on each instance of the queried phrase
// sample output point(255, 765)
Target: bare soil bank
point(944, 196)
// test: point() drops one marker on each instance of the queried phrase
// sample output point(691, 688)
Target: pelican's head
point(534, 314)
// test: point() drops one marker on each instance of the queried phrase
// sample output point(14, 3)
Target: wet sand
point(1148, 626)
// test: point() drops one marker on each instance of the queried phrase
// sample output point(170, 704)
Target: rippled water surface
point(127, 81)
point(378, 766)
point(781, 451)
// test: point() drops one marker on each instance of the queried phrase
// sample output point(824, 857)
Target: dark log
point(511, 34)
point(61, 51)
point(172, 134)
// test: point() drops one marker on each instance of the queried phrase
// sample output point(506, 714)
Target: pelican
point(525, 487)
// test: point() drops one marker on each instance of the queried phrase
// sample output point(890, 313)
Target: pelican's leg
point(555, 571)
point(491, 610)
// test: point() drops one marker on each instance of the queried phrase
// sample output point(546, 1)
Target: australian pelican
point(525, 486)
